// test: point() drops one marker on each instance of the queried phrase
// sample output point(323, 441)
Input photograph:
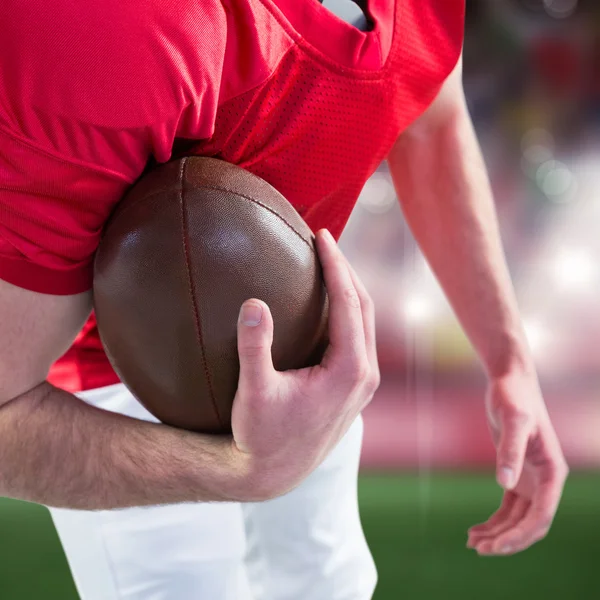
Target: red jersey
point(91, 92)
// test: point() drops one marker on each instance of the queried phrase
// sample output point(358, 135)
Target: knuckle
point(558, 472)
point(354, 367)
point(351, 297)
point(545, 520)
point(509, 454)
point(368, 303)
point(361, 373)
point(357, 372)
point(374, 381)
point(520, 417)
point(255, 395)
point(510, 457)
point(250, 352)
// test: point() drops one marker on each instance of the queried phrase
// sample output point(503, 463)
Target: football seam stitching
point(199, 336)
point(271, 210)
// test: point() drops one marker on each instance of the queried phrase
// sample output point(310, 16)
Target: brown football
point(190, 242)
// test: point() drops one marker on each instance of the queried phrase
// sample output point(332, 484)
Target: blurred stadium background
point(532, 77)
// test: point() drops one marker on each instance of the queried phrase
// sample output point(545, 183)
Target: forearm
point(57, 450)
point(441, 180)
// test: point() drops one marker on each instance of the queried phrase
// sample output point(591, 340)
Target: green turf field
point(416, 529)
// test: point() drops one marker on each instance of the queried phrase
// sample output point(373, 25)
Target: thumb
point(254, 340)
point(512, 447)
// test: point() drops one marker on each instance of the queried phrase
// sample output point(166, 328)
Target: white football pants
point(306, 545)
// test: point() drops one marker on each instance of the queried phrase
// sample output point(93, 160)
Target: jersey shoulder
point(109, 63)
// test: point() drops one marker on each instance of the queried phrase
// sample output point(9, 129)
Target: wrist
point(246, 478)
point(509, 358)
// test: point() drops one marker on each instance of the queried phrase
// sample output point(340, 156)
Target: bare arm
point(440, 176)
point(57, 450)
point(442, 183)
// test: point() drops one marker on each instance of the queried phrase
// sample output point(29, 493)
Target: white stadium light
point(537, 334)
point(378, 195)
point(556, 181)
point(574, 270)
point(418, 309)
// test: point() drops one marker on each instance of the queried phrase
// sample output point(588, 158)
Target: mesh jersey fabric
point(284, 89)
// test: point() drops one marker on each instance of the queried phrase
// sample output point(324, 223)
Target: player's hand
point(285, 423)
point(530, 467)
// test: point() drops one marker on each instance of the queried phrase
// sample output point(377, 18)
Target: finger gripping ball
point(190, 242)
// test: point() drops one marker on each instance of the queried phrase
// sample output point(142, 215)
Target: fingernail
point(506, 549)
point(328, 235)
point(251, 314)
point(506, 477)
point(241, 447)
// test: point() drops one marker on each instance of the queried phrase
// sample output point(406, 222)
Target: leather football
point(190, 242)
